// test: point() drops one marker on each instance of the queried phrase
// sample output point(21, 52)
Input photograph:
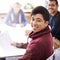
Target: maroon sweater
point(40, 47)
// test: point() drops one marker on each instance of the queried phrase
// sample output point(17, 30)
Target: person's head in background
point(16, 7)
point(52, 7)
point(39, 18)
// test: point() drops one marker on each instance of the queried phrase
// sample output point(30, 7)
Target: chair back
point(52, 57)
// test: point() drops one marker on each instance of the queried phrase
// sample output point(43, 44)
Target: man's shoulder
point(57, 16)
point(58, 13)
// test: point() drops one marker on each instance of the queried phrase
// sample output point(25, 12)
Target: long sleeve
point(23, 18)
point(8, 19)
point(21, 45)
point(28, 54)
point(34, 52)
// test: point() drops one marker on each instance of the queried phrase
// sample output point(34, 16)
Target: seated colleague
point(54, 21)
point(16, 16)
point(41, 44)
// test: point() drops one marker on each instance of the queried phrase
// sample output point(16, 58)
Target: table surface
point(11, 52)
point(9, 34)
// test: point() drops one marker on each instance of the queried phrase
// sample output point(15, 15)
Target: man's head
point(52, 7)
point(16, 7)
point(39, 18)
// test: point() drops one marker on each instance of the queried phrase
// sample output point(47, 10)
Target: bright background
point(5, 5)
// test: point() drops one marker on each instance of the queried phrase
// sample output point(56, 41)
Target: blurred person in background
point(16, 16)
point(54, 21)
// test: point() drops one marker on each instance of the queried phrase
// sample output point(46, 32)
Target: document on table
point(6, 49)
point(5, 40)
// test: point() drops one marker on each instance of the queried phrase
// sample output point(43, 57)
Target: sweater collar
point(58, 13)
point(40, 33)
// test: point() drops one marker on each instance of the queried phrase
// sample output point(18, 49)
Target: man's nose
point(34, 23)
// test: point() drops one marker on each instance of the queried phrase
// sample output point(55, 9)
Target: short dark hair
point(55, 1)
point(18, 3)
point(41, 10)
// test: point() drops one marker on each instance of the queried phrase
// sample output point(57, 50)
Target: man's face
point(16, 8)
point(52, 7)
point(38, 23)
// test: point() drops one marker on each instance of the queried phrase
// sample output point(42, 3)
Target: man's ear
point(46, 22)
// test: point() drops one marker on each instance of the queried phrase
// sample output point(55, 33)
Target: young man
point(41, 44)
point(54, 21)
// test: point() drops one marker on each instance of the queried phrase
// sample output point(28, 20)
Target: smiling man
point(41, 44)
point(54, 21)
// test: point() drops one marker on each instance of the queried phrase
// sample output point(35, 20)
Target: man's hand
point(21, 25)
point(13, 43)
point(27, 32)
point(14, 24)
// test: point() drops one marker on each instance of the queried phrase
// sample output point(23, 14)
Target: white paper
point(5, 40)
point(6, 49)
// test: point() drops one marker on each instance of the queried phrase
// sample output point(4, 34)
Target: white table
point(12, 51)
point(9, 34)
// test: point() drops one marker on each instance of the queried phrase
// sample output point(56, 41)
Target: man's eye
point(38, 21)
point(32, 19)
point(51, 5)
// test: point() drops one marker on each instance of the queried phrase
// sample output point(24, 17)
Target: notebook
point(5, 40)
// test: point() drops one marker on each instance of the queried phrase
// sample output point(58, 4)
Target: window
point(5, 5)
